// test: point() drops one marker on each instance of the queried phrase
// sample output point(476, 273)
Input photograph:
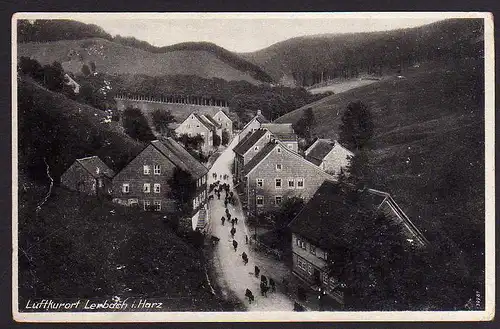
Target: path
point(232, 273)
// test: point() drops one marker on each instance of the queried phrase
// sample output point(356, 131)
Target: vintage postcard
point(253, 167)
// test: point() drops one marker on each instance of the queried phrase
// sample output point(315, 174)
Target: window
point(197, 126)
point(260, 182)
point(278, 183)
point(133, 202)
point(146, 204)
point(157, 188)
point(290, 146)
point(291, 183)
point(99, 182)
point(302, 264)
point(256, 148)
point(312, 249)
point(300, 182)
point(146, 188)
point(310, 269)
point(126, 188)
point(147, 170)
point(260, 201)
point(279, 167)
point(278, 149)
point(157, 205)
point(157, 169)
point(278, 200)
point(204, 179)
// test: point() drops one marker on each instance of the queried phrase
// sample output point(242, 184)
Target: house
point(88, 175)
point(319, 233)
point(144, 181)
point(253, 125)
point(249, 147)
point(224, 121)
point(329, 155)
point(285, 133)
point(196, 124)
point(276, 173)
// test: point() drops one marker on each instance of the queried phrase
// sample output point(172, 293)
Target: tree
point(356, 129)
point(304, 126)
point(191, 142)
point(54, 76)
point(161, 121)
point(225, 137)
point(86, 70)
point(216, 140)
point(359, 170)
point(136, 125)
point(92, 66)
point(182, 190)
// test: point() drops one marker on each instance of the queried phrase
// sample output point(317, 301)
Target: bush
point(136, 125)
point(216, 140)
point(161, 121)
point(225, 137)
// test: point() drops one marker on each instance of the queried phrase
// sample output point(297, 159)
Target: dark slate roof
point(211, 120)
point(207, 110)
point(327, 218)
point(321, 148)
point(180, 157)
point(244, 145)
point(258, 157)
point(204, 121)
point(96, 167)
point(282, 131)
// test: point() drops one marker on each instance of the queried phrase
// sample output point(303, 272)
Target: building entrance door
point(317, 277)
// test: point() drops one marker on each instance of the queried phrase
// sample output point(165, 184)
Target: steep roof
point(180, 157)
point(327, 218)
point(244, 145)
point(95, 167)
point(320, 149)
point(258, 157)
point(259, 117)
point(282, 131)
point(211, 120)
point(204, 121)
point(207, 110)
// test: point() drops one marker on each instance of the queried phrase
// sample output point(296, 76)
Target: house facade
point(88, 175)
point(245, 150)
point(224, 121)
point(319, 238)
point(144, 181)
point(285, 133)
point(329, 156)
point(252, 125)
point(195, 125)
point(277, 173)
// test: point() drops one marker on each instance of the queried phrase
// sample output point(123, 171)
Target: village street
point(232, 274)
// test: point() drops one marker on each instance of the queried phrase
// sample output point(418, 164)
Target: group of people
point(265, 284)
point(221, 176)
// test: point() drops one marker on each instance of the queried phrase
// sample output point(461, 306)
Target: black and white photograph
point(253, 167)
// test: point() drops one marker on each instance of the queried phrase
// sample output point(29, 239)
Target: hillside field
point(428, 149)
point(114, 58)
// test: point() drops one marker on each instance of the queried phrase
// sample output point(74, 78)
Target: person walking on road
point(257, 271)
point(245, 258)
point(233, 232)
point(263, 289)
point(235, 245)
point(263, 279)
point(246, 239)
point(249, 295)
point(222, 220)
point(236, 220)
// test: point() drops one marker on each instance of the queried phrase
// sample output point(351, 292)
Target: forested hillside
point(311, 59)
point(428, 152)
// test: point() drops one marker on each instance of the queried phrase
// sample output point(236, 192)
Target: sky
point(244, 33)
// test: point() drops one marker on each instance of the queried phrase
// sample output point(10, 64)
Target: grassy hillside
point(309, 59)
point(60, 130)
point(81, 247)
point(428, 149)
point(114, 58)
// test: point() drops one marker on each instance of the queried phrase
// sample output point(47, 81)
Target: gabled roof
point(211, 120)
point(259, 157)
point(259, 117)
point(180, 157)
point(95, 167)
point(204, 121)
point(282, 131)
point(320, 148)
point(207, 110)
point(246, 144)
point(327, 218)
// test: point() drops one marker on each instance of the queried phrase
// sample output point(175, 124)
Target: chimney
point(259, 112)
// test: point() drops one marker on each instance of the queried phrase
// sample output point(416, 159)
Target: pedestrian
point(218, 195)
point(263, 279)
point(222, 220)
point(228, 216)
point(233, 232)
point(236, 220)
point(263, 289)
point(225, 203)
point(257, 271)
point(235, 245)
point(245, 258)
point(246, 239)
point(272, 284)
point(249, 295)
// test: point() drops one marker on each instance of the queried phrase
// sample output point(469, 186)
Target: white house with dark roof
point(88, 175)
point(329, 155)
point(252, 125)
point(285, 133)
